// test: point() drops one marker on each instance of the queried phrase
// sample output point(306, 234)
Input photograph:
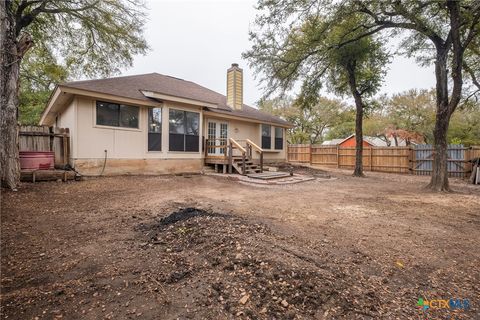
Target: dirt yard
point(203, 247)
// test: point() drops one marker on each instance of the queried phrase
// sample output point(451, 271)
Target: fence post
point(338, 156)
point(310, 153)
point(410, 159)
point(371, 166)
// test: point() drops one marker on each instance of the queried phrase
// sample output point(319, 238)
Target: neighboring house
point(368, 141)
point(154, 124)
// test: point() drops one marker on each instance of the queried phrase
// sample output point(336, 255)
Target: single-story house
point(368, 141)
point(155, 124)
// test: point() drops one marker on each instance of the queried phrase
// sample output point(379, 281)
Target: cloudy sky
point(198, 41)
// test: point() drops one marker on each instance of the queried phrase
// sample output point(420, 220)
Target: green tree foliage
point(465, 125)
point(314, 53)
point(85, 38)
point(75, 39)
point(39, 74)
point(310, 124)
point(344, 127)
point(412, 111)
point(444, 33)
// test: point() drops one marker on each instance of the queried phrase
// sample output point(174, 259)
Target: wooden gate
point(456, 162)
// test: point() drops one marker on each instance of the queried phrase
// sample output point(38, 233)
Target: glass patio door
point(217, 135)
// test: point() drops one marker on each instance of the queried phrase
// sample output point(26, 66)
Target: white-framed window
point(154, 129)
point(184, 130)
point(266, 136)
point(278, 138)
point(117, 115)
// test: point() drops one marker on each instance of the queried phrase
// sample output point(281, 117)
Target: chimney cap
point(234, 65)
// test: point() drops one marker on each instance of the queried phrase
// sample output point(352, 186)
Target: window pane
point(266, 136)
point(278, 132)
point(176, 142)
point(177, 119)
point(211, 134)
point(193, 119)
point(128, 116)
point(266, 130)
point(107, 114)
point(278, 138)
point(223, 136)
point(154, 141)
point(266, 143)
point(278, 143)
point(154, 120)
point(191, 143)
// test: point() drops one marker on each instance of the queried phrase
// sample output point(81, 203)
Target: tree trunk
point(446, 106)
point(10, 68)
point(358, 172)
point(439, 179)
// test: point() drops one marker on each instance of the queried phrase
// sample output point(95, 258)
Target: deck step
point(268, 175)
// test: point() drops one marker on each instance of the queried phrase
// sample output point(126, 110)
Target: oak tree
point(87, 37)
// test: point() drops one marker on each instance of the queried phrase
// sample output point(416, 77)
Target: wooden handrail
point(251, 144)
point(254, 145)
point(237, 145)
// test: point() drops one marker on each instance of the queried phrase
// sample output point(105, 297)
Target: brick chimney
point(235, 87)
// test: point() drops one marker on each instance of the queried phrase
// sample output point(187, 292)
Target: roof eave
point(51, 101)
point(244, 118)
point(162, 96)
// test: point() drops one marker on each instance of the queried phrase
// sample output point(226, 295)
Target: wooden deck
point(216, 160)
point(235, 156)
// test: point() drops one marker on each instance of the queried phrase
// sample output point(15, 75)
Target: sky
point(199, 40)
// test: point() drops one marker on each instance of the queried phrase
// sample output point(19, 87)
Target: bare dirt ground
point(339, 248)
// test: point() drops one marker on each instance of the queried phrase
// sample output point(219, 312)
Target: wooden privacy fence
point(44, 138)
point(416, 160)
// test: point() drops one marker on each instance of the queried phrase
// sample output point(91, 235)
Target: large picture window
point(278, 138)
point(184, 130)
point(117, 115)
point(154, 129)
point(266, 136)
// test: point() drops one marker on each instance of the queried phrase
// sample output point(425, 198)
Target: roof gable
point(132, 87)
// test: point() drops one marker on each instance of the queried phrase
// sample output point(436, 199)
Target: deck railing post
point(230, 158)
point(261, 161)
point(206, 148)
point(244, 169)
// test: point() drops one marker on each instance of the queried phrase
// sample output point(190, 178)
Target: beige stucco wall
point(127, 148)
point(94, 167)
point(241, 130)
point(90, 140)
point(67, 120)
point(124, 143)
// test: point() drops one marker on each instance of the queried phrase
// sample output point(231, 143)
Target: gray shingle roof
point(131, 87)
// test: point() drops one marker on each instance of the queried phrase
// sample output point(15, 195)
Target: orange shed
point(350, 142)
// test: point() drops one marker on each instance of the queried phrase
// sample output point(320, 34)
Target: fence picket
point(415, 160)
point(42, 138)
